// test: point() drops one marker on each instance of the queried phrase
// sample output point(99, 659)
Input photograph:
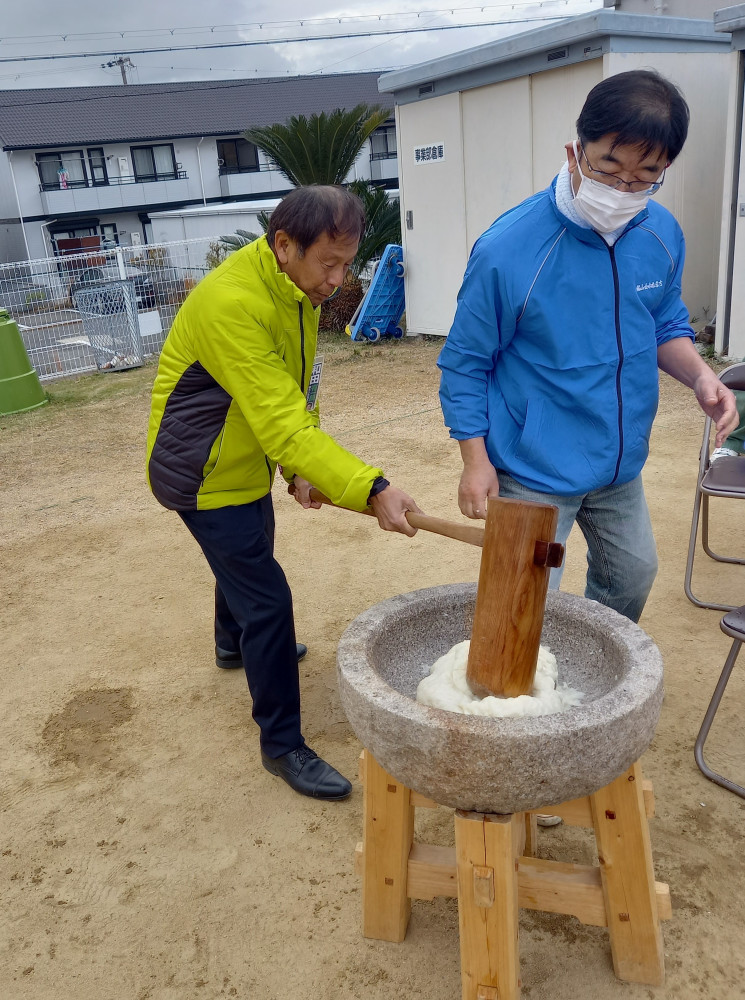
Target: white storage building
point(483, 129)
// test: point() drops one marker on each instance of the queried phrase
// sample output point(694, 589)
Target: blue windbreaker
point(552, 356)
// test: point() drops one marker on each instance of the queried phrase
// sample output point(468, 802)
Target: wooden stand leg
point(387, 839)
point(531, 834)
point(486, 849)
point(625, 855)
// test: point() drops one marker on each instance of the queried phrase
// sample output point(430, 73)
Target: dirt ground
point(144, 852)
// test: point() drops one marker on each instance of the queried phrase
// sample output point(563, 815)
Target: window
point(154, 163)
point(109, 235)
point(97, 164)
point(237, 156)
point(59, 171)
point(76, 233)
point(383, 143)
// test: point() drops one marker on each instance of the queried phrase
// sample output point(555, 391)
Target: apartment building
point(86, 166)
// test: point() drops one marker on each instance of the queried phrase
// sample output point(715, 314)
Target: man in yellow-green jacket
point(233, 399)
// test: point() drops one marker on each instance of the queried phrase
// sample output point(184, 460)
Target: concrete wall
point(8, 204)
point(12, 246)
point(114, 196)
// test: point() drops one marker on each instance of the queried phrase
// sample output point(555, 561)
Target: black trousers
point(253, 613)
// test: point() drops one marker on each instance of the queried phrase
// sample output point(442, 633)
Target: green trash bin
point(20, 388)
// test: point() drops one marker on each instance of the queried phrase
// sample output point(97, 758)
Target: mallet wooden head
point(519, 551)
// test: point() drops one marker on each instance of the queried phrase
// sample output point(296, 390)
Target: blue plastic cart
point(379, 313)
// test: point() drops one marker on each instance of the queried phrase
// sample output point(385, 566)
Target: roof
point(573, 40)
point(732, 19)
point(219, 208)
point(67, 116)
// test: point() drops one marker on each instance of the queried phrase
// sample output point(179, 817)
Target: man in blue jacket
point(569, 304)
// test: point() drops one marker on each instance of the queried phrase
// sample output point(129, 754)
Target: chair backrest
point(734, 376)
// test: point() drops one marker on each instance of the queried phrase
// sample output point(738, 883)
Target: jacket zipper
point(302, 370)
point(619, 344)
point(302, 346)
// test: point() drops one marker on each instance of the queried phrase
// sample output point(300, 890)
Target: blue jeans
point(621, 552)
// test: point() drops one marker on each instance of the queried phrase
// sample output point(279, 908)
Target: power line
point(301, 22)
point(277, 41)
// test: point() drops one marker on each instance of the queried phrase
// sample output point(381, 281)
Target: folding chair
point(723, 478)
point(732, 624)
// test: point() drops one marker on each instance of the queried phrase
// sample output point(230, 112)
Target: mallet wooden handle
point(470, 533)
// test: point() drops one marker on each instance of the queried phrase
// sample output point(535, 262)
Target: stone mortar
point(499, 765)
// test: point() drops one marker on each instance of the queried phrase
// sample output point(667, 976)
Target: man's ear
point(282, 244)
point(571, 158)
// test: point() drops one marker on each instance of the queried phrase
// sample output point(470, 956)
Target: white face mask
point(604, 207)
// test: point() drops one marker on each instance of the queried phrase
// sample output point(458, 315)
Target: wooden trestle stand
point(493, 872)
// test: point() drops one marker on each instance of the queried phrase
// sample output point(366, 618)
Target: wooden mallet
point(519, 550)
point(471, 533)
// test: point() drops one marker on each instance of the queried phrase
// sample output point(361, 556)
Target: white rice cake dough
point(446, 687)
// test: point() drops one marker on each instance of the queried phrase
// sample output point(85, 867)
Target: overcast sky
point(37, 27)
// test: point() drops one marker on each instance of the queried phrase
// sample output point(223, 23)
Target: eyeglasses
point(635, 186)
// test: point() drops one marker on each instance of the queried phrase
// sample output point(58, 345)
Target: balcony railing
point(116, 181)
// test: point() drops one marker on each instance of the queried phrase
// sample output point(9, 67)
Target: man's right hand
point(390, 506)
point(478, 481)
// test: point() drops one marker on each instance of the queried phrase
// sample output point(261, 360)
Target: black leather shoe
point(305, 772)
point(229, 661)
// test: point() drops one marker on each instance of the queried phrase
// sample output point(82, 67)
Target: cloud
point(46, 27)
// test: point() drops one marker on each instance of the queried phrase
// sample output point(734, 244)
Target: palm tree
point(320, 149)
point(383, 215)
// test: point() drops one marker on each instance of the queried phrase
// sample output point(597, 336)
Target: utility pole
point(122, 62)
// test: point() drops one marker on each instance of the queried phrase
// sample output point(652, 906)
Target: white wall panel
point(557, 97)
point(497, 152)
point(693, 185)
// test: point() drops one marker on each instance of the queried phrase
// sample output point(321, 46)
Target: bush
point(216, 254)
point(338, 311)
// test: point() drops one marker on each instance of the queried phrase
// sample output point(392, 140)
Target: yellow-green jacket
point(229, 400)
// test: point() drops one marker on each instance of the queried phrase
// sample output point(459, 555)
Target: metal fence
point(100, 309)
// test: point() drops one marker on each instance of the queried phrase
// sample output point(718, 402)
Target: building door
point(430, 163)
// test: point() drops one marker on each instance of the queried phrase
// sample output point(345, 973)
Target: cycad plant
point(320, 149)
point(240, 238)
point(383, 216)
point(218, 250)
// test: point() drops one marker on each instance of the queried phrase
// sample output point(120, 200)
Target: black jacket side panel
point(193, 417)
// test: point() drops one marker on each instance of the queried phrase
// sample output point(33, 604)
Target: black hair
point(640, 108)
point(310, 211)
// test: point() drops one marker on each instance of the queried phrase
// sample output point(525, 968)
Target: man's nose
point(626, 177)
point(337, 274)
